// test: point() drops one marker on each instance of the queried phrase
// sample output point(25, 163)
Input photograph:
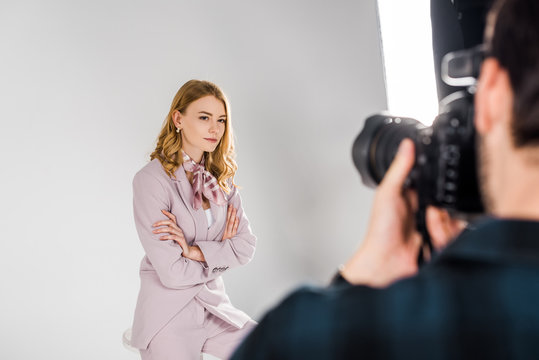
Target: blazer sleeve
point(230, 253)
point(173, 270)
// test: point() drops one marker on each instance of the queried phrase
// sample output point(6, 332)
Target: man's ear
point(483, 120)
point(493, 96)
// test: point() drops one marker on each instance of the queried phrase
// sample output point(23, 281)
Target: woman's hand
point(175, 233)
point(232, 222)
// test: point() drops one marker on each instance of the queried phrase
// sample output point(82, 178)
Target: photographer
point(479, 297)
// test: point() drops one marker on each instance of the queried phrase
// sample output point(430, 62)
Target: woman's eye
point(222, 120)
point(204, 118)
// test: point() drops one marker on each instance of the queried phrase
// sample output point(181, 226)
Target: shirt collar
point(496, 241)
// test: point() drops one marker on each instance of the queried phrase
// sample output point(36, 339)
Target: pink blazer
point(169, 281)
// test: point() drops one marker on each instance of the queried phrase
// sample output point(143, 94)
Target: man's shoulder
point(312, 322)
point(316, 308)
point(359, 309)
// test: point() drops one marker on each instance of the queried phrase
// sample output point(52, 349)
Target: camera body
point(445, 173)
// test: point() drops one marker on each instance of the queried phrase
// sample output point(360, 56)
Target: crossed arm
point(174, 232)
point(175, 270)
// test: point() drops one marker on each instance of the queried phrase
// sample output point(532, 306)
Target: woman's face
point(202, 126)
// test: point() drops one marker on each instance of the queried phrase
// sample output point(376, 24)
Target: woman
point(191, 223)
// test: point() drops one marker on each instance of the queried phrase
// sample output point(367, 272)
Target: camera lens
point(378, 142)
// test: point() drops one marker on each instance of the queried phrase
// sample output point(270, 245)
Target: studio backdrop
point(84, 89)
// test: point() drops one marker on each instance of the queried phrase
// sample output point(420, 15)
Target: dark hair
point(515, 44)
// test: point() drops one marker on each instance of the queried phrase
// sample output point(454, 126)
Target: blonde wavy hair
point(220, 163)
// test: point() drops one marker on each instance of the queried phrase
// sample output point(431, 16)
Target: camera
point(445, 172)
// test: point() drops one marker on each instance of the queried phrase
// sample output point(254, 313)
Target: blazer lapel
point(186, 194)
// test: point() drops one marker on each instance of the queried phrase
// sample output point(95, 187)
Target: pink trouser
point(193, 331)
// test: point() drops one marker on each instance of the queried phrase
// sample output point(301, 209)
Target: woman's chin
point(210, 149)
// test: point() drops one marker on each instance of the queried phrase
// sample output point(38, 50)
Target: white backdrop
point(84, 88)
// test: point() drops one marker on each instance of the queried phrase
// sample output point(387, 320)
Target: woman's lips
point(211, 140)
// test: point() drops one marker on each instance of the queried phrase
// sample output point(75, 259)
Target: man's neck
point(518, 196)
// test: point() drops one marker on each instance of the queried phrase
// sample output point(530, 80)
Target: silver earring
point(178, 130)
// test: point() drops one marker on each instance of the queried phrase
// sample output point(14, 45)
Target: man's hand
point(390, 248)
point(442, 227)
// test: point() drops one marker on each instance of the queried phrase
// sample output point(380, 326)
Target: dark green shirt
point(479, 299)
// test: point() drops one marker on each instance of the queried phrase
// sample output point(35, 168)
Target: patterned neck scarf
point(204, 183)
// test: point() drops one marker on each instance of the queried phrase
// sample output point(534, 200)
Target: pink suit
point(169, 282)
